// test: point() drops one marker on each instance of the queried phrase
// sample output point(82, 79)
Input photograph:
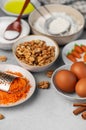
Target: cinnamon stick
point(79, 104)
point(79, 110)
point(84, 115)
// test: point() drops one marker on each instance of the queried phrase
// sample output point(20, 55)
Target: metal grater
point(6, 80)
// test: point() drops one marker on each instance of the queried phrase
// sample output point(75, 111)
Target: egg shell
point(80, 87)
point(65, 80)
point(79, 69)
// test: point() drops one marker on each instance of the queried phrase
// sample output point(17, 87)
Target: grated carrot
point(17, 84)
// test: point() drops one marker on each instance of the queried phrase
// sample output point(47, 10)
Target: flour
point(74, 27)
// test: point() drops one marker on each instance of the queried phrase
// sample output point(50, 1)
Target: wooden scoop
point(13, 30)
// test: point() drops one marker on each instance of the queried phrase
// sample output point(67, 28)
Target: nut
point(35, 53)
point(44, 84)
point(49, 73)
point(1, 116)
point(3, 58)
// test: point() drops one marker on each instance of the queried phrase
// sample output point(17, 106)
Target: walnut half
point(44, 84)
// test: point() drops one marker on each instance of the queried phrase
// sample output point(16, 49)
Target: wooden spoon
point(14, 29)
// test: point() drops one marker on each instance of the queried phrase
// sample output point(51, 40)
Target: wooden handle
point(24, 7)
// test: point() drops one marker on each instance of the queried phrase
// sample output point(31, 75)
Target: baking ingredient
point(79, 110)
point(79, 69)
point(65, 80)
point(7, 98)
point(44, 84)
point(49, 73)
point(83, 48)
point(35, 53)
point(58, 25)
point(1, 116)
point(79, 104)
point(3, 58)
point(84, 57)
point(15, 6)
point(71, 57)
point(39, 24)
point(77, 53)
point(8, 34)
point(84, 115)
point(78, 49)
point(80, 87)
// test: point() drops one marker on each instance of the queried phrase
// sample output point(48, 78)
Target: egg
point(80, 87)
point(79, 69)
point(65, 80)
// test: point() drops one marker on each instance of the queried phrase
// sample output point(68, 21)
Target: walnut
point(35, 53)
point(1, 116)
point(3, 58)
point(49, 73)
point(44, 84)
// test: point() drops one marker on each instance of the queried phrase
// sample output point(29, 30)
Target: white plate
point(4, 22)
point(68, 48)
point(35, 2)
point(27, 74)
point(70, 96)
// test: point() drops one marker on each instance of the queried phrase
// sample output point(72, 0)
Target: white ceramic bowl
point(69, 96)
point(25, 73)
point(48, 41)
point(55, 8)
point(69, 47)
point(4, 22)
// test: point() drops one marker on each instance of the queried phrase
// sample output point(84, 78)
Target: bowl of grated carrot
point(74, 51)
point(21, 93)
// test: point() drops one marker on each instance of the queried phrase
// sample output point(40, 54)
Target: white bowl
point(69, 96)
point(69, 47)
point(25, 73)
point(48, 41)
point(37, 23)
point(4, 22)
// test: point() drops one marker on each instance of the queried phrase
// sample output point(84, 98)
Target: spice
point(6, 98)
point(79, 104)
point(79, 110)
point(84, 115)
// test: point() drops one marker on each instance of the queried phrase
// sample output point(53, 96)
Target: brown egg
point(79, 69)
point(80, 87)
point(65, 80)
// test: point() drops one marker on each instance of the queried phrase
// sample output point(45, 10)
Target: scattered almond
point(49, 73)
point(3, 58)
point(1, 116)
point(43, 84)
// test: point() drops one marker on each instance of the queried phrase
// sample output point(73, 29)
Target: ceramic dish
point(38, 23)
point(27, 74)
point(36, 68)
point(69, 47)
point(4, 22)
point(13, 7)
point(72, 96)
